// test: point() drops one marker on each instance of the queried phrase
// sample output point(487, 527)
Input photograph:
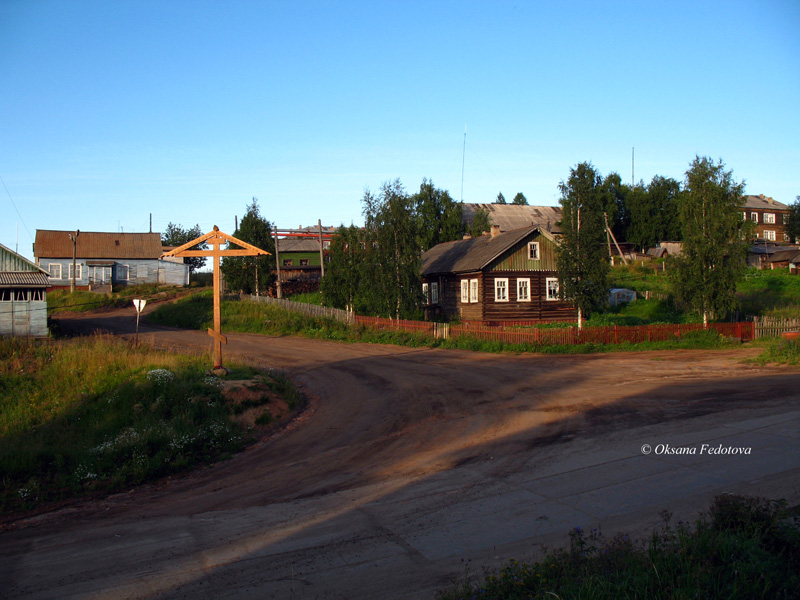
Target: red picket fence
point(514, 334)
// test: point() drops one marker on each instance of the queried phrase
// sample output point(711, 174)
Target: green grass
point(195, 312)
point(741, 548)
point(780, 351)
point(770, 293)
point(307, 298)
point(62, 300)
point(99, 414)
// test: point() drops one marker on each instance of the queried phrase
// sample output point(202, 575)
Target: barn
point(501, 276)
point(23, 296)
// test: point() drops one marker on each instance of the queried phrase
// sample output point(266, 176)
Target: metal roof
point(298, 245)
point(23, 279)
point(516, 216)
point(56, 244)
point(763, 202)
point(473, 254)
point(787, 255)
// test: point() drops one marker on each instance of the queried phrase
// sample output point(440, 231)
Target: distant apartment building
point(769, 217)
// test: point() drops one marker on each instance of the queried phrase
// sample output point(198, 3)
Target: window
point(287, 262)
point(473, 290)
point(55, 270)
point(552, 288)
point(326, 244)
point(523, 290)
point(533, 250)
point(754, 217)
point(426, 293)
point(769, 218)
point(123, 272)
point(769, 235)
point(78, 271)
point(786, 237)
point(435, 292)
point(464, 291)
point(303, 262)
point(744, 216)
point(501, 290)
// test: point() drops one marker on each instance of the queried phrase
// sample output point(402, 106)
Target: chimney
point(495, 230)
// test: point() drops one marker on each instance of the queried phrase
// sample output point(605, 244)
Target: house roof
point(298, 245)
point(473, 254)
point(516, 216)
point(763, 202)
point(787, 255)
point(16, 270)
point(56, 244)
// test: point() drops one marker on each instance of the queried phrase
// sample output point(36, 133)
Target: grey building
point(106, 259)
point(23, 296)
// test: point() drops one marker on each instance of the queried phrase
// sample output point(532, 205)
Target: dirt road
point(412, 466)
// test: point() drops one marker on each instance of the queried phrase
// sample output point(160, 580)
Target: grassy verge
point(81, 301)
point(99, 414)
point(782, 352)
point(741, 548)
point(250, 317)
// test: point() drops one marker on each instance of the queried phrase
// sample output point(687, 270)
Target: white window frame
point(78, 268)
point(754, 217)
point(54, 268)
point(769, 235)
point(426, 293)
point(435, 292)
point(533, 251)
point(768, 218)
point(523, 290)
point(744, 215)
point(127, 273)
point(465, 291)
point(501, 289)
point(551, 289)
point(473, 291)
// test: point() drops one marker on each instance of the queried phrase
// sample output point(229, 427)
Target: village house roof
point(18, 271)
point(473, 254)
point(516, 216)
point(298, 245)
point(97, 245)
point(786, 255)
point(763, 202)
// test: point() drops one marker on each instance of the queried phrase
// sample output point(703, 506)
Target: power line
point(14, 204)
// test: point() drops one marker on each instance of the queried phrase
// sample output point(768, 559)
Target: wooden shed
point(23, 296)
point(507, 276)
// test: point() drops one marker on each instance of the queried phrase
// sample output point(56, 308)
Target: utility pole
point(74, 239)
point(321, 253)
point(278, 290)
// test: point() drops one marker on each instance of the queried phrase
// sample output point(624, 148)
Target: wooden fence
point(311, 310)
point(515, 334)
point(769, 327)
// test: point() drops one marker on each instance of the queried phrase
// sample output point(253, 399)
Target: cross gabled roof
point(474, 254)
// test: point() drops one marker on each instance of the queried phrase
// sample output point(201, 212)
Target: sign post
point(216, 239)
point(139, 304)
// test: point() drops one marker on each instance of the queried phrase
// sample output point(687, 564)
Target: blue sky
point(111, 111)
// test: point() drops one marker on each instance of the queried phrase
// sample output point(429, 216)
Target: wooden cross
point(216, 239)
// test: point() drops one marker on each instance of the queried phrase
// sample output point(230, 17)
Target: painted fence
point(563, 335)
point(516, 332)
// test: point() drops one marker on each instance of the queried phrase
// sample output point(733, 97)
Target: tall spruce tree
point(715, 240)
point(583, 265)
point(251, 274)
point(793, 221)
point(520, 199)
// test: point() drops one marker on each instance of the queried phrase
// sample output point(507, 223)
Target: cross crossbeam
point(216, 239)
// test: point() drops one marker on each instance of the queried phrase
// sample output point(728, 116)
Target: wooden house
point(23, 296)
point(786, 258)
point(768, 216)
point(507, 276)
point(300, 258)
point(105, 259)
